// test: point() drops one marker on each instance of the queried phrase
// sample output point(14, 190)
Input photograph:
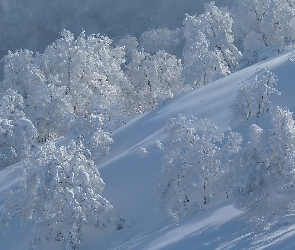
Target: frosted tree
point(154, 78)
point(193, 164)
point(72, 78)
point(252, 170)
point(61, 193)
point(17, 137)
point(54, 115)
point(265, 167)
point(17, 134)
point(206, 157)
point(201, 65)
point(253, 98)
point(263, 28)
point(90, 71)
point(229, 151)
point(255, 49)
point(176, 183)
point(23, 75)
point(91, 133)
point(129, 45)
point(268, 86)
point(216, 25)
point(11, 105)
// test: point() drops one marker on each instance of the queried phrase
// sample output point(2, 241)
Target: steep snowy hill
point(131, 173)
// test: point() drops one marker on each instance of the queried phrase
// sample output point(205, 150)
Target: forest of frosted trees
point(60, 107)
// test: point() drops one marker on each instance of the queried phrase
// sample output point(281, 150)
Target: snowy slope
point(131, 177)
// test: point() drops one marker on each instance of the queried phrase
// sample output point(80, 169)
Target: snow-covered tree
point(154, 78)
point(90, 71)
point(11, 105)
point(216, 25)
point(91, 133)
point(231, 146)
point(176, 183)
point(263, 28)
point(193, 164)
point(265, 167)
point(253, 98)
point(17, 134)
point(17, 137)
point(130, 45)
point(43, 103)
point(201, 65)
point(72, 78)
point(23, 76)
point(61, 193)
point(54, 114)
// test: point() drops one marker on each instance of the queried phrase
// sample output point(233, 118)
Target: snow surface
point(132, 167)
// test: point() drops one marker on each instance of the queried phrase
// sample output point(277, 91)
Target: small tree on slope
point(254, 97)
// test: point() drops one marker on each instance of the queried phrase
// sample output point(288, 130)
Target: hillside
point(132, 167)
point(147, 125)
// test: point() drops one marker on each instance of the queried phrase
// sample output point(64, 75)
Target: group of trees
point(221, 41)
point(209, 50)
point(58, 110)
point(263, 28)
point(86, 81)
point(201, 163)
point(40, 21)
